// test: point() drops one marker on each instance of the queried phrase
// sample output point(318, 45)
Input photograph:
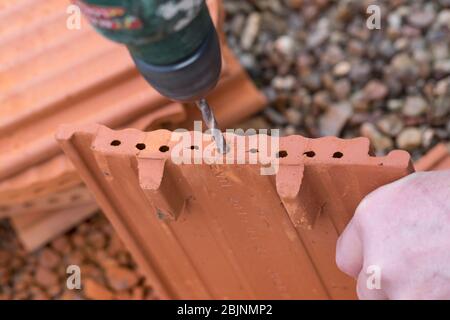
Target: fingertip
point(349, 253)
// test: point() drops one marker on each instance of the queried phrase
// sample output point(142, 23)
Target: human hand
point(401, 233)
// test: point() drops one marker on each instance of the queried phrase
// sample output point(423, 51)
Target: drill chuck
point(189, 79)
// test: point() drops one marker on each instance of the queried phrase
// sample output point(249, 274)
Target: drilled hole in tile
point(164, 148)
point(194, 147)
point(310, 154)
point(253, 150)
point(115, 143)
point(282, 154)
point(140, 146)
point(338, 155)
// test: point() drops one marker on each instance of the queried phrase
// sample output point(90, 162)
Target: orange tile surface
point(226, 231)
point(51, 75)
point(60, 75)
point(437, 158)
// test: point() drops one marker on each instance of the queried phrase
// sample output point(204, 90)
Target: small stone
point(274, 116)
point(421, 19)
point(380, 142)
point(404, 67)
point(342, 68)
point(409, 139)
point(375, 90)
point(97, 239)
point(444, 18)
point(237, 24)
point(359, 102)
point(312, 81)
point(334, 119)
point(360, 72)
point(78, 240)
point(285, 45)
point(414, 106)
point(288, 131)
point(284, 83)
point(45, 277)
point(5, 257)
point(390, 125)
point(342, 89)
point(95, 291)
point(294, 116)
point(294, 4)
point(62, 245)
point(319, 35)
point(427, 138)
point(251, 30)
point(121, 278)
point(442, 66)
point(49, 258)
point(394, 104)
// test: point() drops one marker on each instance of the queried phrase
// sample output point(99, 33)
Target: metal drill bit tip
point(211, 123)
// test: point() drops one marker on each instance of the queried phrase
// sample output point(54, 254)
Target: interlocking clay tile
point(59, 75)
point(57, 174)
point(437, 158)
point(37, 228)
point(226, 231)
point(52, 192)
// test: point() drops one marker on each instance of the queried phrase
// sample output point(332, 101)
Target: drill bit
point(211, 123)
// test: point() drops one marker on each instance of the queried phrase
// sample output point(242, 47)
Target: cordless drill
point(173, 44)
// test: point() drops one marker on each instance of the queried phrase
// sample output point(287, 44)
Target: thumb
point(349, 251)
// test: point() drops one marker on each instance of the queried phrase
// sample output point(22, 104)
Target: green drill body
point(173, 43)
point(159, 32)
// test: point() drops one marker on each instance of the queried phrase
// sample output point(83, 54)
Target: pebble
point(274, 116)
point(375, 90)
point(286, 46)
point(49, 258)
point(395, 104)
point(415, 106)
point(294, 116)
point(41, 275)
point(380, 142)
point(360, 72)
point(46, 278)
point(390, 125)
point(61, 245)
point(342, 89)
point(427, 137)
point(334, 119)
point(421, 19)
point(251, 30)
point(284, 83)
point(342, 68)
point(409, 139)
point(121, 278)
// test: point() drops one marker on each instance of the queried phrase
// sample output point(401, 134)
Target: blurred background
point(323, 72)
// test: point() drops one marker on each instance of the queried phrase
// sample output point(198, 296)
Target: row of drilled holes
point(281, 154)
point(309, 154)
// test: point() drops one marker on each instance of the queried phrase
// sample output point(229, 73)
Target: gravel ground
point(325, 73)
point(107, 270)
